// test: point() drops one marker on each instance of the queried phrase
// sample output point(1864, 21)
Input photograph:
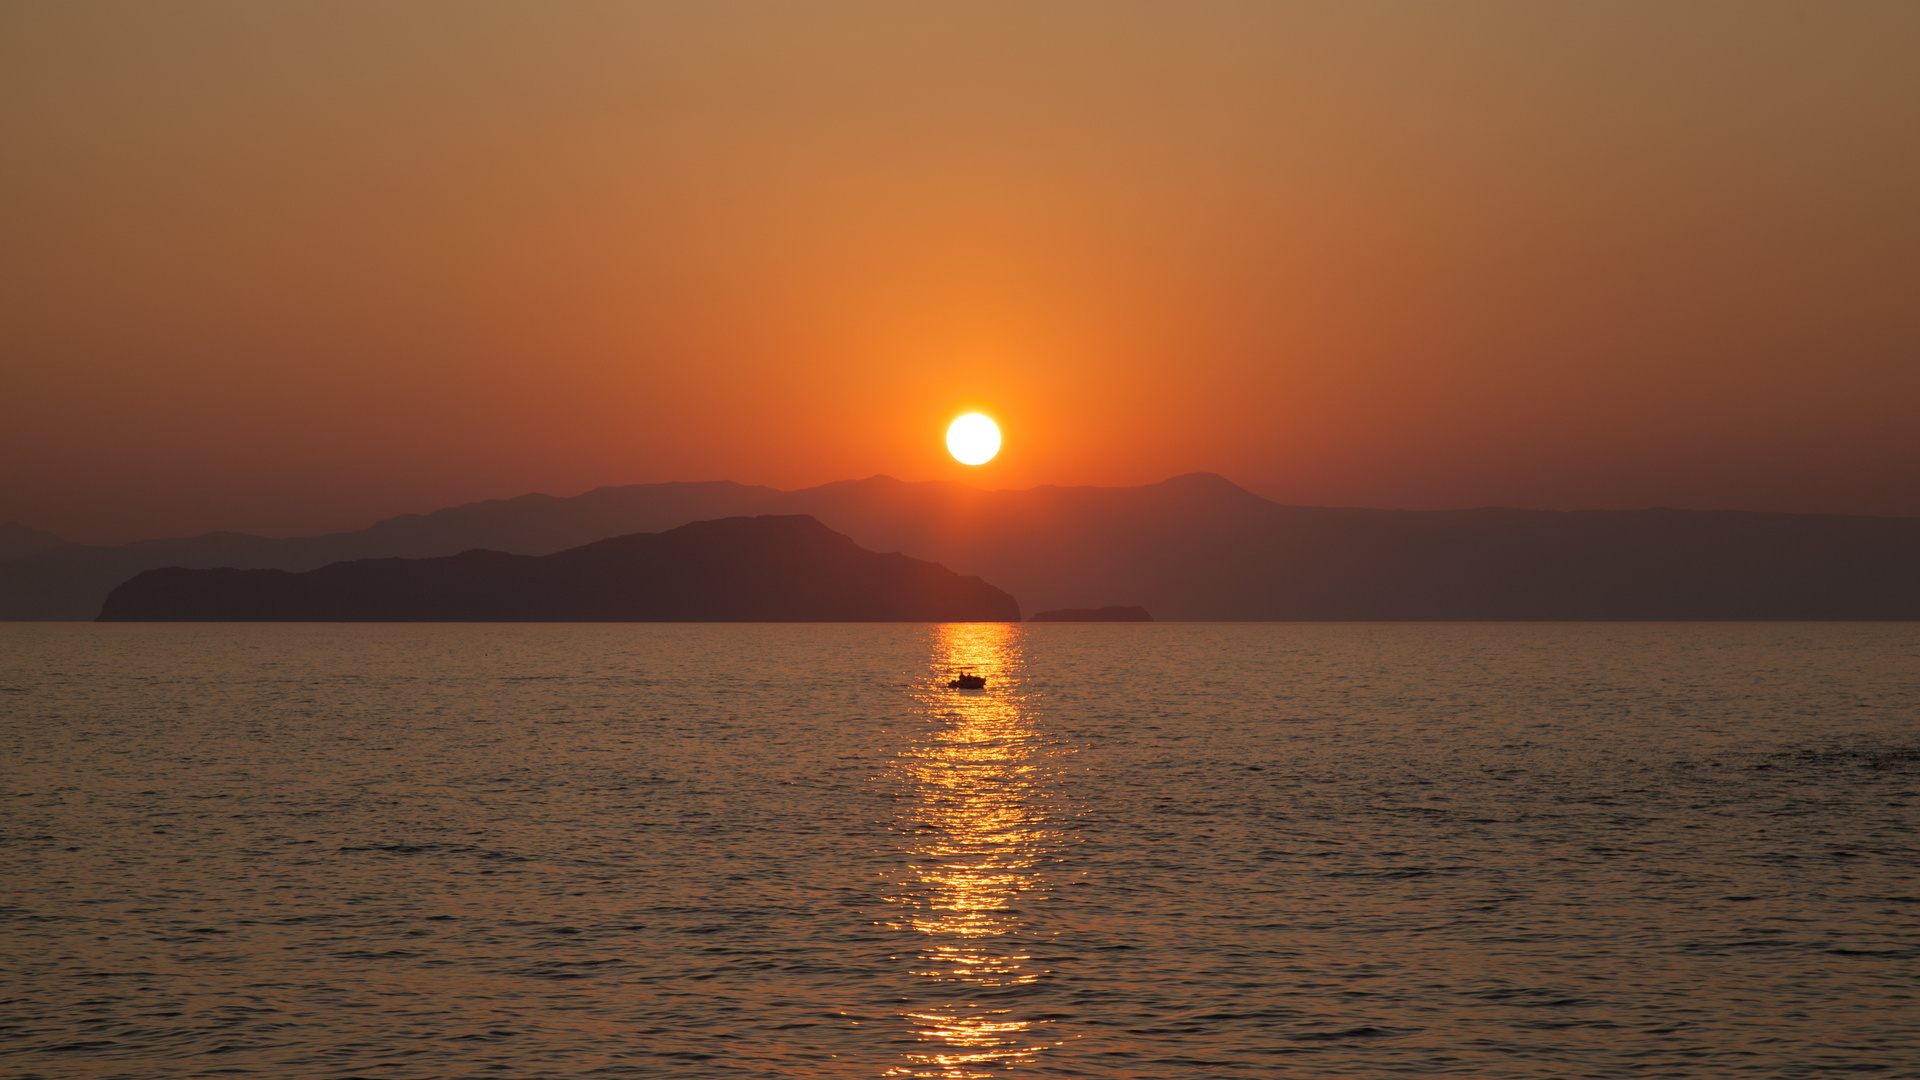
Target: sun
point(973, 439)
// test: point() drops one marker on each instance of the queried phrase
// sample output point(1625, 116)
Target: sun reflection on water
point(978, 821)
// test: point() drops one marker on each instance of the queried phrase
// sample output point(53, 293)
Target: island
point(773, 568)
point(1111, 613)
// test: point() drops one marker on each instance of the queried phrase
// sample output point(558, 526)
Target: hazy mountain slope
point(1057, 547)
point(18, 541)
point(72, 581)
point(1198, 547)
point(1193, 547)
point(543, 524)
point(760, 569)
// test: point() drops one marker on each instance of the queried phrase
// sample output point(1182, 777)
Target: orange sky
point(292, 268)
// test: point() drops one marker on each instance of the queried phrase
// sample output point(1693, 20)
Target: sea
point(1143, 850)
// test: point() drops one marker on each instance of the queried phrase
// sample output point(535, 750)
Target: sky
point(290, 268)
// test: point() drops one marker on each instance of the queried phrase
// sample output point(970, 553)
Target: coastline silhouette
point(1110, 613)
point(759, 569)
point(1195, 547)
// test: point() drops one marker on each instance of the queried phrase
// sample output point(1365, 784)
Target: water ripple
point(1152, 851)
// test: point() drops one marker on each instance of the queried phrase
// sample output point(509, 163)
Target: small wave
point(435, 849)
point(1364, 1032)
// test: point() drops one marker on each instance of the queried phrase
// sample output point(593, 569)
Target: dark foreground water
point(1144, 851)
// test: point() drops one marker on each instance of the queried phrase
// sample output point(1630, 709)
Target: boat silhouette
point(965, 679)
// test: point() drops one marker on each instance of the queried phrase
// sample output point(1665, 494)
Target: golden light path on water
point(979, 822)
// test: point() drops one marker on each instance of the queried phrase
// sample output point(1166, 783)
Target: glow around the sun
point(973, 439)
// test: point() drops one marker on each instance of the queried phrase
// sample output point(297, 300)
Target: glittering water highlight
point(1153, 850)
point(978, 828)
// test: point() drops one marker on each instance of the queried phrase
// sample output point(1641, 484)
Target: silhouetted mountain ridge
point(1192, 547)
point(17, 541)
point(1109, 613)
point(758, 569)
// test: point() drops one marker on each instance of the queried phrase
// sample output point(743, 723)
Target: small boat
point(967, 680)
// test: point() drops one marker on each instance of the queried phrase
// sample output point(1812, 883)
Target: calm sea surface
point(1143, 851)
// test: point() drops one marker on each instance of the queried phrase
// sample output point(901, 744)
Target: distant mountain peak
point(1207, 481)
point(1194, 546)
point(767, 568)
point(17, 541)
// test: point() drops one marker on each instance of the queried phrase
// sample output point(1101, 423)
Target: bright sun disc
point(973, 439)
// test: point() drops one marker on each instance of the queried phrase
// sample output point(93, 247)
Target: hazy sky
point(288, 268)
